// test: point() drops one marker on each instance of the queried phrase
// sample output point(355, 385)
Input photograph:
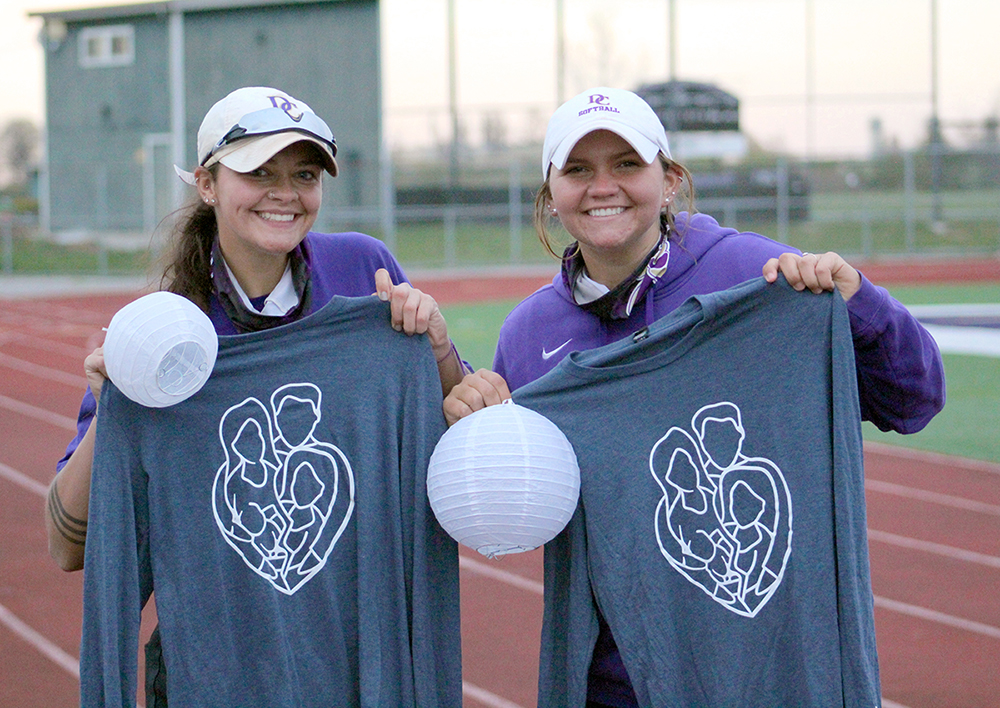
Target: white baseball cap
point(252, 124)
point(622, 112)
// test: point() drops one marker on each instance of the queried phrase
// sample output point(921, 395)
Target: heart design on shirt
point(725, 520)
point(282, 498)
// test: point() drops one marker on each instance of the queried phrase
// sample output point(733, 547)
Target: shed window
point(112, 45)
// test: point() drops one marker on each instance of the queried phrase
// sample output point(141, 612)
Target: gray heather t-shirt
point(280, 514)
point(721, 525)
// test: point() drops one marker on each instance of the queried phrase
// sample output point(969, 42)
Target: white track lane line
point(970, 341)
point(934, 458)
point(987, 309)
point(485, 697)
point(23, 480)
point(78, 381)
point(933, 497)
point(935, 548)
point(939, 617)
point(50, 650)
point(60, 421)
point(486, 570)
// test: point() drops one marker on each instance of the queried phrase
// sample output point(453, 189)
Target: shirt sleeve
point(88, 407)
point(117, 579)
point(901, 383)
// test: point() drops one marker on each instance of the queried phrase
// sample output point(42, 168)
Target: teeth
point(276, 217)
point(611, 211)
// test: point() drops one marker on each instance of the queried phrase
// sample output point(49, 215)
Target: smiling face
point(264, 214)
point(609, 200)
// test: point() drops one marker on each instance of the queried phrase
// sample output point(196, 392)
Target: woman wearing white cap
point(245, 254)
point(634, 258)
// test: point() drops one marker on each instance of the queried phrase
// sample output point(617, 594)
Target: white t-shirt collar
point(281, 300)
point(587, 289)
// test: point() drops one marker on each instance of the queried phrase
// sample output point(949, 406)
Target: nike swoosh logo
point(548, 355)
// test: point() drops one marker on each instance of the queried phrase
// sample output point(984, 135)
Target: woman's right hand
point(97, 373)
point(476, 391)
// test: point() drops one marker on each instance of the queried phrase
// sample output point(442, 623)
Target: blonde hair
point(685, 198)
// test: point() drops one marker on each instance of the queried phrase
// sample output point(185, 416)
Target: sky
point(808, 88)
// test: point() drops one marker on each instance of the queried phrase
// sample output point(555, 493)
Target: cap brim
point(250, 153)
point(647, 149)
point(185, 175)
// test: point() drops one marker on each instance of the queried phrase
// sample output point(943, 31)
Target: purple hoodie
point(900, 374)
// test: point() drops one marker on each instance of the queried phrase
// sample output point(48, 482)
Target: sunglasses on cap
point(270, 121)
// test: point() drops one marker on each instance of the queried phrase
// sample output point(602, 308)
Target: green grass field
point(968, 426)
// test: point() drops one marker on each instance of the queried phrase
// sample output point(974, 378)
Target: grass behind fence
point(857, 225)
point(424, 246)
point(36, 256)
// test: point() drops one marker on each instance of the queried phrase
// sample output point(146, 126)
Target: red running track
point(934, 535)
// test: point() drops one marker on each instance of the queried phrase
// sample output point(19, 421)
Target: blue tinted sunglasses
point(276, 120)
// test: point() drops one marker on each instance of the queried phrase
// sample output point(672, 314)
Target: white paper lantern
point(160, 349)
point(503, 480)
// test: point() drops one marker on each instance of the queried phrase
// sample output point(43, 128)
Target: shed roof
point(162, 8)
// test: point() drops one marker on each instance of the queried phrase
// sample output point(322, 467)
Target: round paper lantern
point(503, 480)
point(160, 349)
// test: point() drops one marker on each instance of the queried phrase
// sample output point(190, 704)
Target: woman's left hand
point(413, 311)
point(817, 272)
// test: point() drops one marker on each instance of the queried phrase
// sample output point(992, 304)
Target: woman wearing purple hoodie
point(611, 183)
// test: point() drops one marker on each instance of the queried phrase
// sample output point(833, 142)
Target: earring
point(552, 211)
point(210, 201)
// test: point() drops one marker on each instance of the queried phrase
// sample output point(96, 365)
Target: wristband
point(450, 351)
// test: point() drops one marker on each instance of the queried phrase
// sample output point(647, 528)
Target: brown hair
point(187, 268)
point(685, 197)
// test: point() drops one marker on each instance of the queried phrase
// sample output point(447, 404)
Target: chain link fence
point(478, 212)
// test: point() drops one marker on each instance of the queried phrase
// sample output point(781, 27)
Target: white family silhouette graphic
point(282, 498)
point(725, 519)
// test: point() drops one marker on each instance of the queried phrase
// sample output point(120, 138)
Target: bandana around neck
point(247, 320)
point(618, 303)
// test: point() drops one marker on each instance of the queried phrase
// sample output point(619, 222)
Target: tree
point(19, 143)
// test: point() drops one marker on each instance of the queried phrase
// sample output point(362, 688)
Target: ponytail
point(188, 269)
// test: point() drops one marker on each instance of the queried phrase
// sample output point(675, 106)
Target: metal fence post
point(867, 242)
point(910, 201)
point(730, 211)
point(7, 235)
point(388, 201)
point(102, 257)
point(514, 208)
point(450, 251)
point(782, 199)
